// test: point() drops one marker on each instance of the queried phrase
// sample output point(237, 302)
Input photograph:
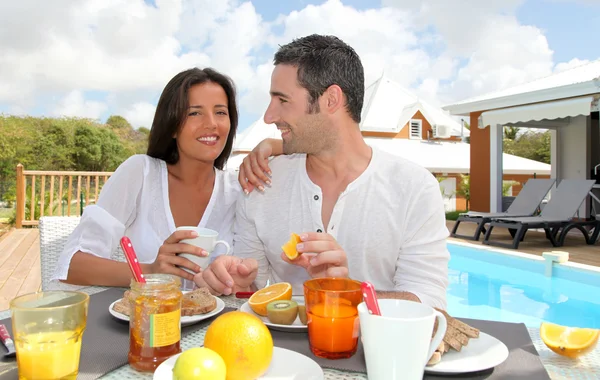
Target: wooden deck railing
point(44, 197)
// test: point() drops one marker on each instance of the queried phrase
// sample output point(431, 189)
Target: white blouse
point(134, 202)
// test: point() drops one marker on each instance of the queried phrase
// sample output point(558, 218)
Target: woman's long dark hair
point(172, 110)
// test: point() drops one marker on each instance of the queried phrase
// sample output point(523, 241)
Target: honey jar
point(154, 321)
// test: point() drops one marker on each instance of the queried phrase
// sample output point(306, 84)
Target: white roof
point(578, 81)
point(388, 107)
point(439, 157)
point(451, 157)
point(255, 133)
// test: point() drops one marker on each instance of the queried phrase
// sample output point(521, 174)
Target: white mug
point(207, 240)
point(398, 343)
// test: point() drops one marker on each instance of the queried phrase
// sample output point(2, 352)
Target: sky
point(96, 58)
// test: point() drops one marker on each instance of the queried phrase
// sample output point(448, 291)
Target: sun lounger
point(558, 213)
point(525, 204)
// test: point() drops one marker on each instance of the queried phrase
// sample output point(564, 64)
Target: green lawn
point(453, 215)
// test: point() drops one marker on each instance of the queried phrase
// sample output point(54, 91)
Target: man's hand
point(227, 273)
point(254, 171)
point(321, 256)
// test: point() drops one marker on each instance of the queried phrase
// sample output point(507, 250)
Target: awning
point(540, 111)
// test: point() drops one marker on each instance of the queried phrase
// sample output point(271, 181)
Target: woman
point(179, 182)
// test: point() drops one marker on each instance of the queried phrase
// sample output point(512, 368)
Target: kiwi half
point(302, 313)
point(282, 312)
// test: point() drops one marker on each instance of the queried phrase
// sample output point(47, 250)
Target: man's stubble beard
point(311, 136)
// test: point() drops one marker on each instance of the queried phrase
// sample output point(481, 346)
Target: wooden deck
point(20, 271)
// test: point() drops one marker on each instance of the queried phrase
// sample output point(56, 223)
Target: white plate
point(185, 320)
point(297, 326)
point(480, 354)
point(285, 365)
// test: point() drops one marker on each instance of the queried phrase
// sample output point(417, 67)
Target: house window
point(416, 129)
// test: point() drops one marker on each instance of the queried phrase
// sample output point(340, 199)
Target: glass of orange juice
point(332, 316)
point(48, 328)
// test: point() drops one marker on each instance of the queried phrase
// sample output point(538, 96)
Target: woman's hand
point(167, 260)
point(254, 170)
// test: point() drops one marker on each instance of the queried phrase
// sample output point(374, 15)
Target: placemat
point(523, 361)
point(105, 342)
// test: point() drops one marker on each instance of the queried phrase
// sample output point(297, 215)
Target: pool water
point(495, 286)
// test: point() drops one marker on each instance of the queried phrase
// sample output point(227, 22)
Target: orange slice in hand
point(568, 341)
point(259, 300)
point(289, 248)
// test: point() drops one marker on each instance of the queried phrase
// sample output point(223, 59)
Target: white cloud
point(140, 114)
point(444, 50)
point(74, 104)
point(498, 50)
point(569, 65)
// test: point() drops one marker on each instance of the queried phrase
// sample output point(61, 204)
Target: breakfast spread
point(457, 336)
point(198, 301)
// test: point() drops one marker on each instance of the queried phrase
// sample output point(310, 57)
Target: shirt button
point(319, 230)
point(316, 197)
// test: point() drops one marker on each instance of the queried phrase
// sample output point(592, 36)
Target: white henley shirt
point(390, 221)
point(135, 202)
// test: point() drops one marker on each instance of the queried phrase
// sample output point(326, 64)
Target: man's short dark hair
point(323, 61)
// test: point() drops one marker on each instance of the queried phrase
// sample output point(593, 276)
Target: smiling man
point(360, 212)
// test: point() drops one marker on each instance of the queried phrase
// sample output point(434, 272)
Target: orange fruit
point(244, 343)
point(568, 341)
point(289, 248)
point(259, 300)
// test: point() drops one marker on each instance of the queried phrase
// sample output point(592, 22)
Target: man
point(360, 212)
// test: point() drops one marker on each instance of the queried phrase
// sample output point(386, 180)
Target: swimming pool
point(486, 284)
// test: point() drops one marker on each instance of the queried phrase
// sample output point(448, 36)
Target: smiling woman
point(179, 182)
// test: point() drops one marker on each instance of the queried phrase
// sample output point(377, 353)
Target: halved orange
point(568, 341)
point(289, 248)
point(259, 300)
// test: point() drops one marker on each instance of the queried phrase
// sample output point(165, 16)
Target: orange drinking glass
point(332, 316)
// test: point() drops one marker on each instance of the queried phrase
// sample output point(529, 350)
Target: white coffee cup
point(207, 240)
point(398, 343)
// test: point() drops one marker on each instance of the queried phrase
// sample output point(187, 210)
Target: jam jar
point(154, 321)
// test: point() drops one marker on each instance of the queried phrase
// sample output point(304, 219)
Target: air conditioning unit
point(441, 131)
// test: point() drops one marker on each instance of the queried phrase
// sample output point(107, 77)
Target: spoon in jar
point(132, 260)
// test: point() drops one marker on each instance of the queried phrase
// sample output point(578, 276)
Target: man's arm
point(422, 264)
point(382, 294)
point(247, 244)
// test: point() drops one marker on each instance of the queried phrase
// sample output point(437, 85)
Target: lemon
point(568, 341)
point(199, 363)
point(244, 343)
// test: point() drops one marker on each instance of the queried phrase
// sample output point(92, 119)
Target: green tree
point(464, 188)
point(468, 128)
point(506, 185)
point(531, 144)
point(511, 132)
point(118, 122)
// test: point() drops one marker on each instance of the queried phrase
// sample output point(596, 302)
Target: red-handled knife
point(370, 298)
point(8, 342)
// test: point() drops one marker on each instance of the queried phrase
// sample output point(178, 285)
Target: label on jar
point(165, 329)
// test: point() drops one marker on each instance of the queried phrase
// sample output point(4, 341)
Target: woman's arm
point(254, 170)
point(87, 269)
point(100, 229)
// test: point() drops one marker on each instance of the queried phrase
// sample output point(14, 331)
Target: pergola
point(565, 103)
